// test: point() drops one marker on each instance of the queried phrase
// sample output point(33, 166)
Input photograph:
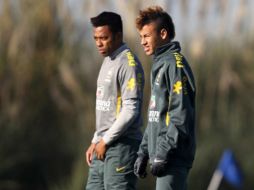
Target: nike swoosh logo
point(120, 169)
point(157, 160)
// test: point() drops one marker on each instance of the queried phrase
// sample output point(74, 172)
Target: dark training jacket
point(170, 133)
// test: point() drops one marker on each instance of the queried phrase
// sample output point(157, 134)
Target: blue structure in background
point(230, 169)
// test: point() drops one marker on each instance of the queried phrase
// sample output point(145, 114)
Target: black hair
point(110, 19)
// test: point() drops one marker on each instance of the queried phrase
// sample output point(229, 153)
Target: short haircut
point(110, 19)
point(156, 14)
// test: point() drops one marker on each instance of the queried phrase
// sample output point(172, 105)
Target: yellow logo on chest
point(177, 87)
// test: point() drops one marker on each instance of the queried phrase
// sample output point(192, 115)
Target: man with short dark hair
point(120, 83)
point(169, 139)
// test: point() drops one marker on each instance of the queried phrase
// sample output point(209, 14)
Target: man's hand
point(140, 166)
point(158, 167)
point(89, 153)
point(100, 150)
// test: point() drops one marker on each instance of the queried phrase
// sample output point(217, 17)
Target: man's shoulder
point(168, 59)
point(128, 59)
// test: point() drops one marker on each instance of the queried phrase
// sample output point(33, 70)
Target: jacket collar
point(169, 47)
point(118, 51)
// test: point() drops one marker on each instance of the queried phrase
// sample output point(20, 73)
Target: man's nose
point(143, 42)
point(99, 43)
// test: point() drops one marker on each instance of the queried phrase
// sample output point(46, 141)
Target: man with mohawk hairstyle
point(169, 140)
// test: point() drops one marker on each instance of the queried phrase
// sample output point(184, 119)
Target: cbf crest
point(100, 92)
point(152, 102)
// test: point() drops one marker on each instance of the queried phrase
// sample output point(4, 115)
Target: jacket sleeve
point(95, 139)
point(143, 148)
point(180, 114)
point(131, 82)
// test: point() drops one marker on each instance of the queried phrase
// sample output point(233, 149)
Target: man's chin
point(148, 52)
point(104, 54)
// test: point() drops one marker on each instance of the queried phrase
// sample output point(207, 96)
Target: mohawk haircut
point(110, 19)
point(156, 14)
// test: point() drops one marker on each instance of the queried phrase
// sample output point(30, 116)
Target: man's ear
point(164, 33)
point(119, 36)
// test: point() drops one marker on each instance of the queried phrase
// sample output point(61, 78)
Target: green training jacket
point(170, 133)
